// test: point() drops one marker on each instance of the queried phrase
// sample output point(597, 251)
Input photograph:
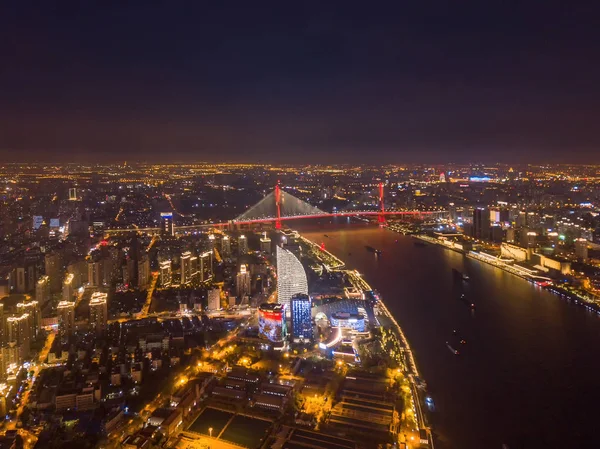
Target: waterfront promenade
point(416, 383)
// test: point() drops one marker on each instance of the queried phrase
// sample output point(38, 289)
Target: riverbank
point(417, 385)
point(523, 273)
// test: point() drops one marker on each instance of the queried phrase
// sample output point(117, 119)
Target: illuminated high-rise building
point(72, 194)
point(206, 269)
point(291, 277)
point(95, 273)
point(194, 268)
point(265, 244)
point(31, 308)
point(225, 246)
point(166, 223)
point(98, 311)
point(68, 292)
point(581, 249)
point(302, 329)
point(186, 268)
point(18, 333)
point(214, 299)
point(66, 317)
point(211, 241)
point(242, 245)
point(165, 273)
point(242, 282)
point(42, 290)
point(143, 272)
point(271, 322)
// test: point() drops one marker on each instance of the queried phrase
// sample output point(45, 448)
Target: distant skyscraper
point(242, 245)
point(291, 277)
point(72, 194)
point(98, 311)
point(225, 247)
point(481, 223)
point(242, 282)
point(302, 329)
point(66, 317)
point(211, 241)
point(166, 223)
point(165, 273)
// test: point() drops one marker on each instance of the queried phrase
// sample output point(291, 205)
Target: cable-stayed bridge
point(279, 206)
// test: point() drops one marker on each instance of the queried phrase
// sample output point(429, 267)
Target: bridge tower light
point(381, 215)
point(278, 206)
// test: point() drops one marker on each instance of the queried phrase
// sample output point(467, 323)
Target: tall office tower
point(186, 268)
point(42, 290)
point(291, 277)
point(98, 311)
point(31, 308)
point(225, 246)
point(481, 223)
point(95, 273)
point(211, 241)
point(206, 269)
point(581, 249)
point(242, 245)
point(143, 272)
point(242, 282)
point(302, 329)
point(265, 244)
point(53, 266)
point(165, 273)
point(167, 226)
point(72, 194)
point(18, 334)
point(214, 299)
point(68, 291)
point(66, 317)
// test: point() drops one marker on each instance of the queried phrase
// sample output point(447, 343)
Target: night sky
point(376, 82)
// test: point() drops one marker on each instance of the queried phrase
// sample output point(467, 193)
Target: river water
point(529, 371)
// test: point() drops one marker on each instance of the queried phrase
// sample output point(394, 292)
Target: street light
point(210, 431)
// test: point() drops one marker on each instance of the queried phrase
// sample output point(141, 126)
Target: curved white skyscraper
point(291, 278)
